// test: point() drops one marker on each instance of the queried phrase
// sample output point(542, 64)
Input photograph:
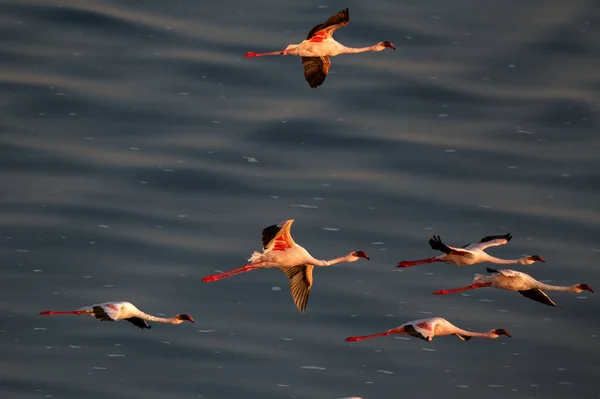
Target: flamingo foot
point(250, 54)
point(441, 292)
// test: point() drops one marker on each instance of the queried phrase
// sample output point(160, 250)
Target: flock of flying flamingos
point(279, 250)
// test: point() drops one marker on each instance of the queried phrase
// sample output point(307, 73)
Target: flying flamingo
point(428, 328)
point(471, 253)
point(113, 311)
point(280, 251)
point(523, 283)
point(319, 46)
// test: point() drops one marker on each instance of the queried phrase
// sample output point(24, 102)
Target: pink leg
point(239, 270)
point(383, 334)
point(468, 287)
point(250, 54)
point(50, 312)
point(409, 263)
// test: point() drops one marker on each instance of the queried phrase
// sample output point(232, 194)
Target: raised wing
point(489, 241)
point(538, 296)
point(436, 243)
point(301, 279)
point(315, 70)
point(141, 323)
point(325, 30)
point(277, 237)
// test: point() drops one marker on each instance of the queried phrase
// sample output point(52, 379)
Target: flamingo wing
point(301, 279)
point(538, 295)
point(105, 312)
point(419, 329)
point(437, 244)
point(277, 237)
point(489, 241)
point(325, 30)
point(136, 321)
point(315, 70)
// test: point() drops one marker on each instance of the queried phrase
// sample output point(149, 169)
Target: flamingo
point(280, 251)
point(319, 46)
point(523, 283)
point(471, 253)
point(113, 311)
point(428, 328)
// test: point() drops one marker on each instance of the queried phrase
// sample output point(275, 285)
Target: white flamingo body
point(121, 310)
point(471, 254)
point(281, 251)
point(319, 46)
point(428, 328)
point(523, 283)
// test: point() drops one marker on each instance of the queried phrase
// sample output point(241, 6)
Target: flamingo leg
point(250, 54)
point(383, 334)
point(51, 312)
point(468, 287)
point(409, 263)
point(239, 270)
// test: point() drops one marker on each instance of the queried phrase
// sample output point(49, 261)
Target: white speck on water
point(449, 150)
point(216, 121)
point(462, 386)
point(92, 242)
point(485, 300)
point(99, 368)
point(581, 297)
point(595, 250)
point(496, 386)
point(109, 286)
point(166, 342)
point(442, 115)
point(524, 131)
point(318, 198)
point(283, 385)
point(402, 338)
point(118, 345)
point(206, 331)
point(304, 206)
point(511, 65)
point(22, 250)
point(104, 226)
point(48, 347)
point(377, 243)
point(134, 148)
point(385, 372)
point(87, 276)
point(516, 354)
point(561, 369)
point(182, 216)
point(534, 385)
point(312, 368)
point(287, 339)
point(331, 228)
point(39, 329)
point(369, 382)
point(72, 114)
point(513, 167)
point(438, 17)
point(424, 312)
point(503, 310)
point(565, 175)
point(250, 159)
point(483, 206)
point(430, 273)
point(75, 346)
point(325, 184)
point(38, 271)
point(273, 196)
point(565, 383)
point(275, 288)
point(183, 93)
point(428, 349)
point(115, 355)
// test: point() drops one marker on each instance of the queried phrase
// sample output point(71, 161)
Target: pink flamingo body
point(428, 328)
point(281, 251)
point(471, 254)
point(522, 283)
point(113, 311)
point(319, 46)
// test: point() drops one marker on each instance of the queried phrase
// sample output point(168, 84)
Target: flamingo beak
point(361, 254)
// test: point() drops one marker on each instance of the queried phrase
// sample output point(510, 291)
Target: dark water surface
point(140, 152)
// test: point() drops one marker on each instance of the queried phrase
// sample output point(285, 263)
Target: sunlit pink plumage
point(319, 46)
point(428, 328)
point(522, 283)
point(113, 311)
point(470, 254)
point(281, 251)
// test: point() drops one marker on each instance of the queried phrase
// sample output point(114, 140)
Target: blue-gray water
point(140, 152)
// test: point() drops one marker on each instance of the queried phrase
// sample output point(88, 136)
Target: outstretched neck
point(549, 287)
point(149, 317)
point(466, 333)
point(499, 261)
point(333, 261)
point(354, 50)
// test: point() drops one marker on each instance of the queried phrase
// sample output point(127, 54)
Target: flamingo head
point(500, 331)
point(534, 258)
point(183, 317)
point(356, 255)
point(583, 287)
point(384, 45)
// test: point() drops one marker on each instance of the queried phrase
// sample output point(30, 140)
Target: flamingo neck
point(499, 261)
point(149, 317)
point(460, 331)
point(355, 50)
point(334, 261)
point(549, 287)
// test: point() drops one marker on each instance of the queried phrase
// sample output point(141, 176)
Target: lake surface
point(140, 152)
